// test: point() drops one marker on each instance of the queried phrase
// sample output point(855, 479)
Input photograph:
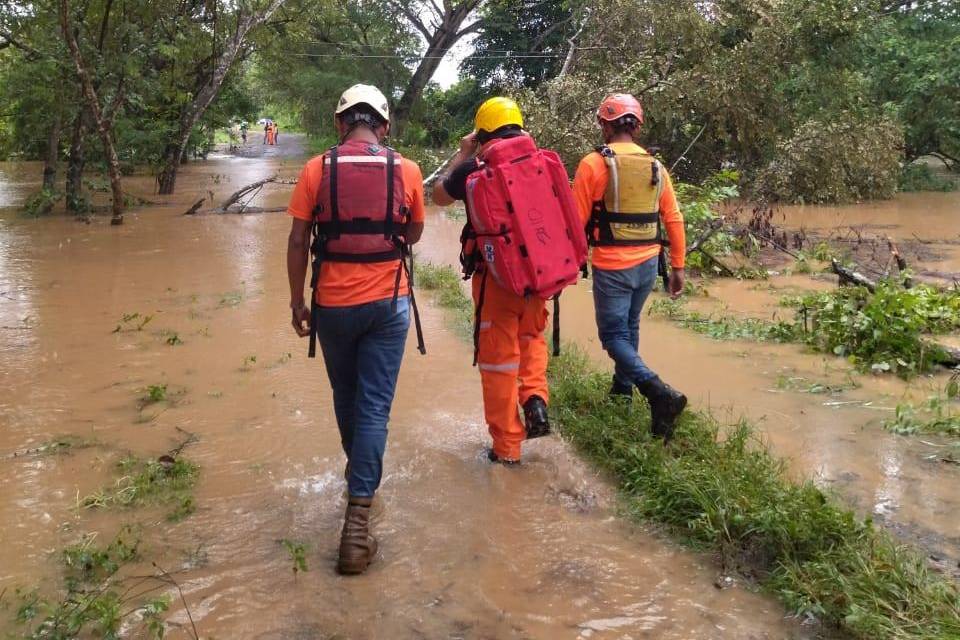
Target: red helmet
point(617, 105)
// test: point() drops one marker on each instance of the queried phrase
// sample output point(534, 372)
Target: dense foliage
point(887, 330)
point(819, 101)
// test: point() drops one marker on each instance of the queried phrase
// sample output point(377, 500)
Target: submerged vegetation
point(887, 330)
point(96, 600)
point(721, 489)
point(935, 416)
point(168, 481)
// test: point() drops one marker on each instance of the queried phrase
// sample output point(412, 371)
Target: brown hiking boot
point(357, 546)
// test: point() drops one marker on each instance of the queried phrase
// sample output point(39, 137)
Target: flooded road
point(468, 550)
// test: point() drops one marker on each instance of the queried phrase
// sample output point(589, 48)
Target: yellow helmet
point(497, 112)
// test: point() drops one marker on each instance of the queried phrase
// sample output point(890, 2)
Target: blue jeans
point(618, 298)
point(362, 350)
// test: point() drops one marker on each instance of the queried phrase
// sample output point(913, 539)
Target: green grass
point(447, 289)
point(720, 489)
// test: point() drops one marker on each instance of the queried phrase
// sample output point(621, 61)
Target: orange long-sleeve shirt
point(589, 185)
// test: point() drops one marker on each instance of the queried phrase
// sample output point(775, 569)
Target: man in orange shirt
point(623, 194)
point(364, 204)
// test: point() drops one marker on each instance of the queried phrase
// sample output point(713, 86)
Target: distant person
point(266, 132)
point(367, 204)
point(243, 132)
point(276, 133)
point(504, 179)
point(625, 197)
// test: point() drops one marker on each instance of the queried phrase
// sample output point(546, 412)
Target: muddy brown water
point(468, 550)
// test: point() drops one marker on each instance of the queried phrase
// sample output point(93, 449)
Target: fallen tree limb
point(849, 276)
point(430, 179)
point(696, 245)
point(196, 207)
point(775, 244)
point(724, 269)
point(239, 193)
point(901, 263)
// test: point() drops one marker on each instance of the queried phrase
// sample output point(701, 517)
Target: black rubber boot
point(535, 415)
point(493, 457)
point(620, 391)
point(666, 404)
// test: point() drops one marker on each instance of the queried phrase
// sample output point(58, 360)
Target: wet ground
point(468, 550)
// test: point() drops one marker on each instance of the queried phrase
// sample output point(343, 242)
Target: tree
point(442, 29)
point(209, 80)
point(912, 59)
point(522, 42)
point(301, 67)
point(103, 114)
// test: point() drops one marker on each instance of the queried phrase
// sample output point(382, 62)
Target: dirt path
point(289, 145)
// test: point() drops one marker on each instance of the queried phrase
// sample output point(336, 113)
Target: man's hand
point(676, 282)
point(468, 145)
point(301, 319)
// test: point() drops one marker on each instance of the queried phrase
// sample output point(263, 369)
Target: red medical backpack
point(527, 227)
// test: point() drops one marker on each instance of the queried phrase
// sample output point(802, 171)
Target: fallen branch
point(724, 269)
point(849, 276)
point(183, 599)
point(430, 179)
point(775, 244)
point(239, 193)
point(715, 226)
point(196, 207)
point(901, 263)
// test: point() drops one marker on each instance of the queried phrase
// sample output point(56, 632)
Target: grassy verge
point(722, 490)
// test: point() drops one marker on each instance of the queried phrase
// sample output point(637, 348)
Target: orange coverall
point(511, 347)
point(512, 359)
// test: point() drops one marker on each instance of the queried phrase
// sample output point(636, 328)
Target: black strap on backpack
point(476, 317)
point(556, 325)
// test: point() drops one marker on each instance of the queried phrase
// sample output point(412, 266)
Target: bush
point(835, 158)
point(920, 177)
point(882, 330)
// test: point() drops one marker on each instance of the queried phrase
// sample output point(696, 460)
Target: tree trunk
point(104, 124)
point(439, 41)
point(74, 186)
point(53, 154)
point(191, 113)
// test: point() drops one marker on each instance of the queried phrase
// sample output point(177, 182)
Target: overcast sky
point(447, 73)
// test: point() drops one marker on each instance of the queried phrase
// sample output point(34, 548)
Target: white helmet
point(364, 94)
